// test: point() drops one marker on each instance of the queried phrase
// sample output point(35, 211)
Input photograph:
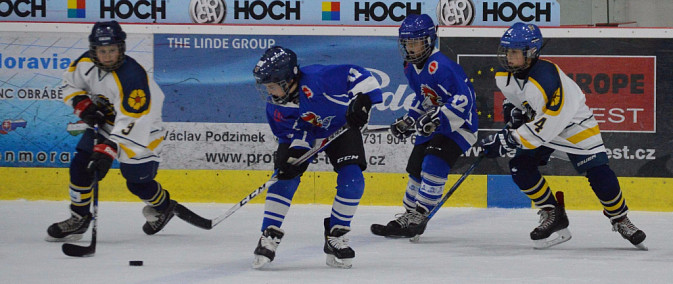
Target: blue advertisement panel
point(283, 12)
point(208, 78)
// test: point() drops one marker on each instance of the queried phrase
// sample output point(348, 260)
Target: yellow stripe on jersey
point(501, 73)
point(128, 151)
point(582, 135)
point(68, 97)
point(154, 144)
point(73, 66)
point(525, 142)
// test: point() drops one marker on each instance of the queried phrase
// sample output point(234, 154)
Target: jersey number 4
point(539, 124)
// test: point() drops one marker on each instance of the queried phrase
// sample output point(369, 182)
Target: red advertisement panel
point(619, 90)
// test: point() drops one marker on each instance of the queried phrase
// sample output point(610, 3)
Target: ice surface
point(460, 245)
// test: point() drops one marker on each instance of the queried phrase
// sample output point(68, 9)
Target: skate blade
point(562, 236)
point(68, 238)
point(415, 239)
point(642, 246)
point(260, 261)
point(345, 263)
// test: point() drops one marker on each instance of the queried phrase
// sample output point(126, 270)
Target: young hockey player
point(303, 105)
point(443, 115)
point(112, 92)
point(547, 112)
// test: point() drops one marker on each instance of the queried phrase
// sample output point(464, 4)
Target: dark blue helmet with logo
point(417, 36)
point(105, 34)
point(524, 37)
point(277, 65)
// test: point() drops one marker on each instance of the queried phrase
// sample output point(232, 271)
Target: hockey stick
point(421, 227)
point(196, 220)
point(462, 178)
point(77, 250)
point(368, 130)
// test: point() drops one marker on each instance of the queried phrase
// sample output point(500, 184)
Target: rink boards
point(218, 147)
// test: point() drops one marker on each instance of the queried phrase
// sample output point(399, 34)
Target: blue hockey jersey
point(324, 94)
point(442, 82)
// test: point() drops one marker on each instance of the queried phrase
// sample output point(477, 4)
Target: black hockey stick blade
point(80, 251)
point(192, 218)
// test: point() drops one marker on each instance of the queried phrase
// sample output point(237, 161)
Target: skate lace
point(338, 242)
point(625, 227)
point(270, 242)
point(73, 223)
point(408, 217)
point(547, 217)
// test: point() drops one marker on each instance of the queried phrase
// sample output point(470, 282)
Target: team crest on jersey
point(136, 104)
point(432, 67)
point(307, 91)
point(431, 96)
point(278, 116)
point(315, 119)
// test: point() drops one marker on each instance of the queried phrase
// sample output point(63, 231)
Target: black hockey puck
point(136, 263)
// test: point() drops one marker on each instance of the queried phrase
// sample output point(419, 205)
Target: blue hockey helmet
point(105, 34)
point(277, 65)
point(524, 37)
point(417, 36)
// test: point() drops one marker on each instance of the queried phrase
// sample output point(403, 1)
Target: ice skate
point(339, 254)
point(69, 230)
point(553, 229)
point(399, 228)
point(266, 246)
point(156, 220)
point(630, 232)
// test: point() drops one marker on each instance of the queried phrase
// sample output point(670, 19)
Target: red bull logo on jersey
point(315, 119)
point(11, 125)
point(307, 91)
point(432, 67)
point(431, 95)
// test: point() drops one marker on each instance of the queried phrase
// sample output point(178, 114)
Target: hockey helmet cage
point(104, 34)
point(417, 29)
point(277, 65)
point(522, 36)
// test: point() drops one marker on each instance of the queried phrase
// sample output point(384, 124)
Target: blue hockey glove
point(403, 127)
point(428, 122)
point(286, 170)
point(499, 144)
point(358, 111)
point(513, 115)
point(101, 159)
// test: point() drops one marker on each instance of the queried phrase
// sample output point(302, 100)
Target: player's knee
point(602, 177)
point(78, 174)
point(144, 190)
point(350, 179)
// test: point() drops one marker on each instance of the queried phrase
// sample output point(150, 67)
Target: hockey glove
point(286, 170)
point(357, 114)
point(87, 110)
point(101, 159)
point(403, 127)
point(499, 144)
point(428, 122)
point(513, 115)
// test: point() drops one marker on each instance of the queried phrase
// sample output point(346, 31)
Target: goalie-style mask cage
point(524, 37)
point(417, 37)
point(277, 65)
point(104, 34)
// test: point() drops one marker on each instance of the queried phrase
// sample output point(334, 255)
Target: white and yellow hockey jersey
point(137, 101)
point(560, 118)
